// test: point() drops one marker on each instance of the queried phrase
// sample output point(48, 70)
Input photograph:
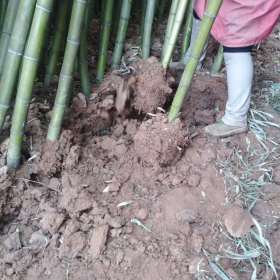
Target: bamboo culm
point(170, 44)
point(122, 29)
point(58, 41)
point(65, 78)
point(147, 32)
point(171, 17)
point(7, 28)
point(104, 40)
point(14, 55)
point(28, 74)
point(83, 57)
point(161, 9)
point(187, 29)
point(184, 85)
point(218, 61)
point(3, 6)
point(143, 13)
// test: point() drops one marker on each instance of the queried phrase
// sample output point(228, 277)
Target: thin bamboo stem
point(29, 68)
point(218, 61)
point(147, 33)
point(187, 29)
point(170, 45)
point(143, 13)
point(58, 41)
point(161, 9)
point(65, 78)
point(3, 5)
point(184, 85)
point(83, 57)
point(104, 41)
point(7, 30)
point(122, 29)
point(169, 26)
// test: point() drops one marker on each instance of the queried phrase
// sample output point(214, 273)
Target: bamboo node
point(82, 1)
point(40, 7)
point(6, 33)
point(4, 106)
point(207, 14)
point(14, 52)
point(73, 42)
point(31, 58)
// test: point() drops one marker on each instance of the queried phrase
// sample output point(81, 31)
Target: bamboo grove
point(30, 27)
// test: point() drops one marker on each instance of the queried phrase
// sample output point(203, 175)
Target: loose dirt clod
point(98, 240)
point(145, 89)
point(238, 221)
point(160, 142)
point(152, 87)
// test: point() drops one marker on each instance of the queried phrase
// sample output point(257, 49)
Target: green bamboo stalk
point(184, 85)
point(143, 13)
point(147, 33)
point(170, 22)
point(104, 41)
point(65, 78)
point(7, 30)
point(29, 68)
point(170, 44)
point(218, 61)
point(3, 5)
point(187, 29)
point(122, 29)
point(83, 57)
point(161, 9)
point(58, 41)
point(92, 5)
point(116, 17)
point(14, 55)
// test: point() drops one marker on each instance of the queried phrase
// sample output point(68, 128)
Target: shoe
point(220, 129)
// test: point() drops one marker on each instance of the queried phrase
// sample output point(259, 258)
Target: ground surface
point(125, 195)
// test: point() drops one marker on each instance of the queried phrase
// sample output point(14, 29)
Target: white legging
point(239, 68)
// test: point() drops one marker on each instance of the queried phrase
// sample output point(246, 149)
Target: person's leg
point(239, 67)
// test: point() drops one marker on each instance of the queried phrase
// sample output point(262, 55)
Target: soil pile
point(145, 86)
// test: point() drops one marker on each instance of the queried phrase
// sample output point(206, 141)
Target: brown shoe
point(220, 129)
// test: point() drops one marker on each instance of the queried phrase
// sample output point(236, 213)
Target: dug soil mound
point(144, 84)
point(159, 142)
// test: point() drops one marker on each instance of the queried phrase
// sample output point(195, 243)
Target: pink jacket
point(242, 23)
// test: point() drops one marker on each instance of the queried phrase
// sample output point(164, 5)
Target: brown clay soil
point(126, 195)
